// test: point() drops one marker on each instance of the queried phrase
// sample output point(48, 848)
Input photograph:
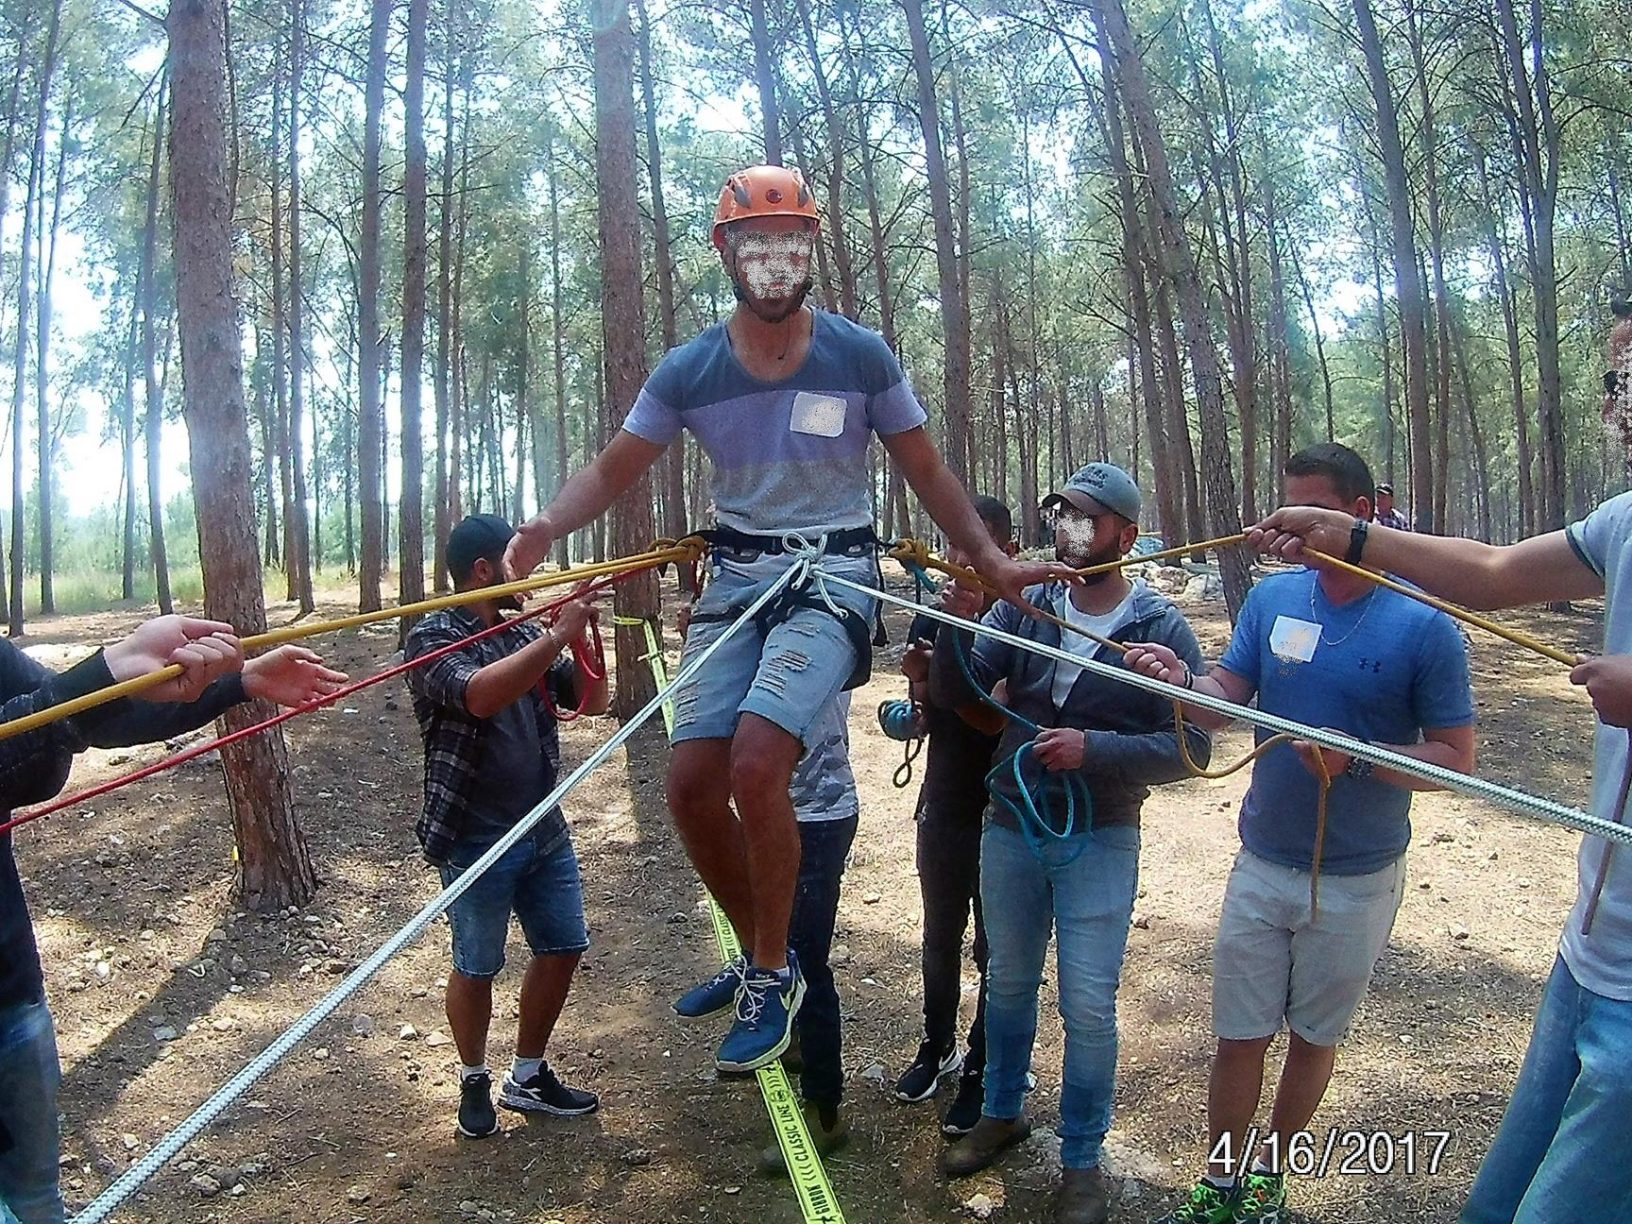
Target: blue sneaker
point(715, 995)
point(765, 1011)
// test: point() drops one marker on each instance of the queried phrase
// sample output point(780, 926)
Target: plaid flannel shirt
point(452, 735)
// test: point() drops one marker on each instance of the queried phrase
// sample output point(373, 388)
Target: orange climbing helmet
point(763, 191)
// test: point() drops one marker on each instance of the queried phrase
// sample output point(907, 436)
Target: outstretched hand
point(290, 676)
point(1292, 529)
point(528, 547)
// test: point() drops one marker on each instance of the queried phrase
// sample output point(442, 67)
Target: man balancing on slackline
point(784, 399)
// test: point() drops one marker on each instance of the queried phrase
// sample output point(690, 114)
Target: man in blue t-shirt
point(1325, 648)
point(785, 400)
point(1560, 1155)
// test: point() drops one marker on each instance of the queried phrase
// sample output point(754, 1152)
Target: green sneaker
point(1207, 1204)
point(1261, 1199)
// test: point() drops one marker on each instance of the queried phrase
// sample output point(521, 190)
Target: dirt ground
point(162, 988)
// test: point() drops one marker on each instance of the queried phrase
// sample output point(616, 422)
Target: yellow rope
point(665, 551)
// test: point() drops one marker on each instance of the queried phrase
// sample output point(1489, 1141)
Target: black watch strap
point(1357, 541)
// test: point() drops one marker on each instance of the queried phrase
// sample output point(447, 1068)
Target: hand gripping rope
point(1035, 812)
point(162, 1152)
point(911, 551)
point(662, 553)
point(1513, 800)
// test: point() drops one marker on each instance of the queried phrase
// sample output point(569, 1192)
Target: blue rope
point(1037, 811)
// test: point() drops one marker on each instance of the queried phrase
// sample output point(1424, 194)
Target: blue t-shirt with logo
point(1381, 668)
point(788, 455)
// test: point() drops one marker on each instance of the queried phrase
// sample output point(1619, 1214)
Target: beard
point(1080, 555)
point(777, 309)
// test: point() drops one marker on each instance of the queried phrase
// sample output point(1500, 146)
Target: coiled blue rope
point(1040, 791)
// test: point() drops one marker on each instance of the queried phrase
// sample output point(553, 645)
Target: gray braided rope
point(1481, 788)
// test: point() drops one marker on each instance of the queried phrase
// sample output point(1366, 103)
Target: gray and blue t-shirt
point(1602, 960)
point(788, 455)
point(1382, 668)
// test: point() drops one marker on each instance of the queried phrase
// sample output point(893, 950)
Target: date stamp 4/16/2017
point(1346, 1153)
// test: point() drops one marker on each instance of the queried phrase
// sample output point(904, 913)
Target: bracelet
point(1189, 676)
point(1357, 541)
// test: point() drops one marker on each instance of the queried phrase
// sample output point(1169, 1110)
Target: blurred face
point(770, 257)
point(1319, 491)
point(1082, 539)
point(1385, 502)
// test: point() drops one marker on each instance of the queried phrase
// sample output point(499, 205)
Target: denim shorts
point(787, 677)
point(538, 883)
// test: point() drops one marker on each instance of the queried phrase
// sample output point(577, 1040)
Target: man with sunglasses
point(1560, 1154)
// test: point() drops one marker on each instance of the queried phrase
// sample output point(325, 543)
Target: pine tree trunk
point(770, 116)
point(623, 327)
point(558, 331)
point(150, 375)
point(299, 557)
point(1179, 266)
point(42, 366)
point(411, 506)
point(955, 440)
point(1408, 291)
point(442, 522)
point(274, 867)
point(370, 413)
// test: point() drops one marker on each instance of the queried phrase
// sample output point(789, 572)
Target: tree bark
point(42, 366)
point(765, 78)
point(150, 374)
point(274, 868)
point(955, 441)
point(623, 326)
point(370, 412)
point(674, 484)
point(299, 557)
point(411, 505)
point(1117, 42)
point(442, 522)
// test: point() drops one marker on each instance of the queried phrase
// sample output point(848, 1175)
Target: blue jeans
point(538, 883)
point(824, 846)
point(1560, 1156)
point(1089, 903)
point(29, 1078)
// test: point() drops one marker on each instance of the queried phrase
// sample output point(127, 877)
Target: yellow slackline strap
point(681, 551)
point(816, 1197)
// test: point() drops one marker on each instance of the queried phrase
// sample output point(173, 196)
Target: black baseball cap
point(476, 537)
point(1386, 488)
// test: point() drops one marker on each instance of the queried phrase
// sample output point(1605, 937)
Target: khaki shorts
point(1272, 964)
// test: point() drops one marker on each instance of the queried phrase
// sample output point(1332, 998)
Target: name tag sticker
point(1294, 640)
point(820, 416)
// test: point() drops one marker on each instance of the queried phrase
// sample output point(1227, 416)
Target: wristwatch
point(1357, 541)
point(1358, 768)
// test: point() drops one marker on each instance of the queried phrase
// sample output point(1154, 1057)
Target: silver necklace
point(1353, 629)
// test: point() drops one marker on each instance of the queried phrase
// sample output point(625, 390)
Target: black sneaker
point(924, 1076)
point(476, 1117)
point(965, 1111)
point(546, 1094)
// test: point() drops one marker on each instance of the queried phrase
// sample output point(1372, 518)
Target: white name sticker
point(1294, 640)
point(820, 416)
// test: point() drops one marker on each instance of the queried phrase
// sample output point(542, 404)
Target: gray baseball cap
point(1097, 488)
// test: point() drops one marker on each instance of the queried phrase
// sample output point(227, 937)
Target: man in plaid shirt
point(491, 755)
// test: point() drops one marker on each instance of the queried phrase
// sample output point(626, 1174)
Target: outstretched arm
point(584, 498)
point(948, 504)
point(1468, 572)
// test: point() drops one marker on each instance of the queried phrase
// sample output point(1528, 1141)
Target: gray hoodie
point(1132, 742)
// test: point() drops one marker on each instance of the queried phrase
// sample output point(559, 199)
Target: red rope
point(198, 750)
point(589, 658)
